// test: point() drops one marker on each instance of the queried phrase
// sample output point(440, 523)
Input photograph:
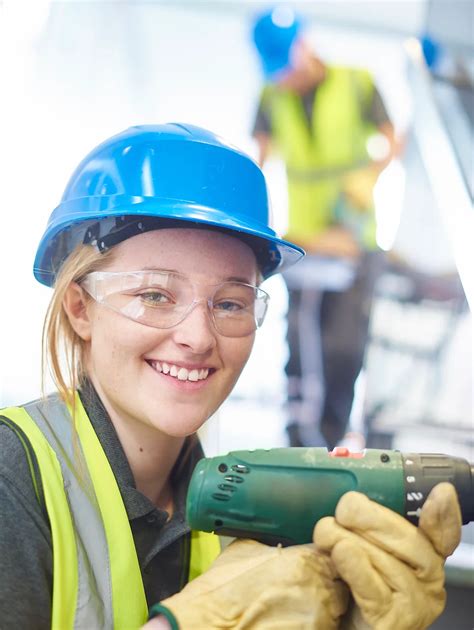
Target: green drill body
point(277, 495)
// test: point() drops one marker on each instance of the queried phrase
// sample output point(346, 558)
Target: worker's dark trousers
point(327, 335)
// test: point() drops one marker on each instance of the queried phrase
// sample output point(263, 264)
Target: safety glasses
point(163, 299)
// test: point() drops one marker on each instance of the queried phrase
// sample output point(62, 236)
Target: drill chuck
point(422, 471)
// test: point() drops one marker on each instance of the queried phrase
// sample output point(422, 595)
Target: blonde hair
point(59, 337)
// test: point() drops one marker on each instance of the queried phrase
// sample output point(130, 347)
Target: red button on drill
point(341, 451)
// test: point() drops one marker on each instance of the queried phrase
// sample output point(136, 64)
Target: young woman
point(156, 254)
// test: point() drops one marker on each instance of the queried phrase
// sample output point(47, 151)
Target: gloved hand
point(358, 187)
point(251, 585)
point(393, 569)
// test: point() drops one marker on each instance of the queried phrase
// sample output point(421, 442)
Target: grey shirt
point(26, 575)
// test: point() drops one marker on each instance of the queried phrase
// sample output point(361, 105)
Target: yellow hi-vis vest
point(319, 156)
point(97, 581)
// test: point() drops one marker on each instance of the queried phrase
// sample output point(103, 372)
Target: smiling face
point(170, 379)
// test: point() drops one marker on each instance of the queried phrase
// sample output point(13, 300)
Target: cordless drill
point(277, 495)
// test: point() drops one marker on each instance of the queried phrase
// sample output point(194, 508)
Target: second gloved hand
point(394, 570)
point(255, 586)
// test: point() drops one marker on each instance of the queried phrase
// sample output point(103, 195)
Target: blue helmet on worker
point(275, 31)
point(160, 176)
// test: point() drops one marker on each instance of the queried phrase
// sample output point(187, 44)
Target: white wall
point(382, 16)
point(92, 70)
point(78, 72)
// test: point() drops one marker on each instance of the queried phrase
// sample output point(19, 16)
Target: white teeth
point(173, 370)
point(181, 373)
point(193, 375)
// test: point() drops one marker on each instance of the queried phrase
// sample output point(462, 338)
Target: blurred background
point(76, 72)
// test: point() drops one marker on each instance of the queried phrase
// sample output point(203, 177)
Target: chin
point(180, 429)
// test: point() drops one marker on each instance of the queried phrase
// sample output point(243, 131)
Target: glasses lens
point(238, 309)
point(157, 299)
point(163, 299)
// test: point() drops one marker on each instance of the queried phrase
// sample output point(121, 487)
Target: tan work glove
point(252, 585)
point(394, 570)
point(358, 186)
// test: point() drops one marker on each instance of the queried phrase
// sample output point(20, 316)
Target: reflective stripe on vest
point(317, 158)
point(97, 580)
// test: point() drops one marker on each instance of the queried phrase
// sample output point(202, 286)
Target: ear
point(75, 305)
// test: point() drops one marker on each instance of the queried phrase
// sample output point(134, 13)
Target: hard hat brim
point(70, 222)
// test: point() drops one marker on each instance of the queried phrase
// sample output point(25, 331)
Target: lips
point(180, 373)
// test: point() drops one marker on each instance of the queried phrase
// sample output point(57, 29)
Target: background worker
point(319, 117)
point(155, 264)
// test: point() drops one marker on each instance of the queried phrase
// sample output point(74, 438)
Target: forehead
point(199, 252)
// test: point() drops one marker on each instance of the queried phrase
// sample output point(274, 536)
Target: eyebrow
point(228, 279)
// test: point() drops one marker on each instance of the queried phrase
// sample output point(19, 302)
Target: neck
point(151, 454)
point(310, 73)
point(314, 74)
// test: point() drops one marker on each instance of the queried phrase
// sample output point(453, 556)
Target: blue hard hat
point(156, 176)
point(431, 50)
point(274, 33)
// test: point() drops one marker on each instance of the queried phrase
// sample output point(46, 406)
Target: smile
point(181, 373)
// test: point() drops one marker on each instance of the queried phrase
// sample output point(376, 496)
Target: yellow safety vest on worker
point(322, 158)
point(97, 581)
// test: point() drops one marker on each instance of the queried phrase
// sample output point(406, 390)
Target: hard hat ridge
point(154, 176)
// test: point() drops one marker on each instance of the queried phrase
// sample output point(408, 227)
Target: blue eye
point(229, 306)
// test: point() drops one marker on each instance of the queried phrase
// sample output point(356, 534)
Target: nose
point(196, 330)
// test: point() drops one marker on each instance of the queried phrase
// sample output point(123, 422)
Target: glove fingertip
point(441, 520)
point(350, 505)
point(323, 533)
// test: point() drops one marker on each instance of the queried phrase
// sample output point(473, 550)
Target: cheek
point(239, 352)
point(115, 342)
